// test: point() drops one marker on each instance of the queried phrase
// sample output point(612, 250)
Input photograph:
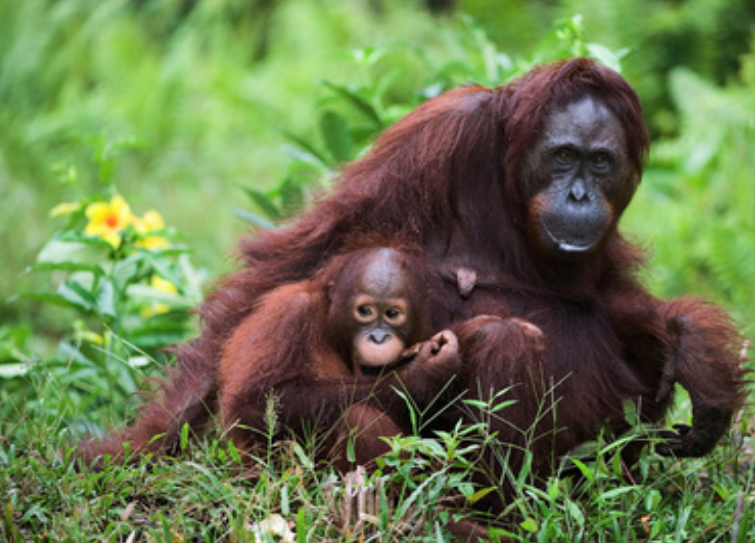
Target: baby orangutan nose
point(379, 336)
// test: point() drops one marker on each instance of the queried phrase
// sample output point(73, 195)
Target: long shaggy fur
point(449, 178)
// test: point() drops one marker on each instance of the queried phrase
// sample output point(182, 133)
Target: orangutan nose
point(378, 336)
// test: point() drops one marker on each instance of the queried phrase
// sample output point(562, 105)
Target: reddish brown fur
point(450, 178)
point(312, 372)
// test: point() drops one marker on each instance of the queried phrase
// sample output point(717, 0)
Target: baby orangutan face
point(374, 302)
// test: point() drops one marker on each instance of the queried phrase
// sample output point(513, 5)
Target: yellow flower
point(163, 285)
point(65, 209)
point(153, 242)
point(151, 220)
point(107, 220)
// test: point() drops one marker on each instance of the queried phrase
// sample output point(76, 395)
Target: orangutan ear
point(329, 291)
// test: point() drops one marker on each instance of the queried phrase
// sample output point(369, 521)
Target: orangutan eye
point(564, 156)
point(364, 310)
point(396, 315)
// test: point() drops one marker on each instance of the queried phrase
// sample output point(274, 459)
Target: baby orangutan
point(335, 350)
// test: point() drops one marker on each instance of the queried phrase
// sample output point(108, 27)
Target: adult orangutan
point(523, 184)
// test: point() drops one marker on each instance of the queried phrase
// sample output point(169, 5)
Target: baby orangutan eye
point(395, 316)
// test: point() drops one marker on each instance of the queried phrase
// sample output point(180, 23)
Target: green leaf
point(66, 267)
point(335, 133)
point(292, 197)
point(351, 454)
point(357, 101)
point(255, 219)
point(529, 525)
point(586, 471)
point(314, 156)
point(75, 293)
point(264, 202)
point(616, 492)
point(477, 496)
point(305, 460)
point(302, 525)
point(146, 295)
point(502, 405)
point(432, 448)
point(159, 331)
point(89, 253)
point(184, 442)
point(106, 299)
point(233, 452)
point(575, 512)
point(8, 371)
point(606, 56)
point(478, 404)
point(129, 269)
point(48, 298)
point(368, 55)
point(69, 351)
point(164, 268)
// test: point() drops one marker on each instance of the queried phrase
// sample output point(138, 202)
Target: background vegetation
point(226, 114)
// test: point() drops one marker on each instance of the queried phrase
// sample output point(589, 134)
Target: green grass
point(207, 494)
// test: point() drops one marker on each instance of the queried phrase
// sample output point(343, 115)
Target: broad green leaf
point(292, 197)
point(314, 155)
point(75, 293)
point(357, 101)
point(147, 337)
point(606, 56)
point(529, 525)
point(106, 299)
point(49, 298)
point(335, 133)
point(164, 268)
point(432, 447)
point(616, 492)
point(255, 219)
point(264, 202)
point(66, 267)
point(80, 252)
point(146, 294)
point(8, 371)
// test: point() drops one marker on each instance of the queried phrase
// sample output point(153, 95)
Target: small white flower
point(273, 528)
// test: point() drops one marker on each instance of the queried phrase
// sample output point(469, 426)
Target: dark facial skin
point(579, 180)
point(381, 322)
